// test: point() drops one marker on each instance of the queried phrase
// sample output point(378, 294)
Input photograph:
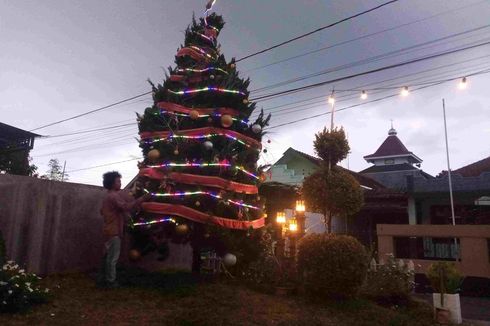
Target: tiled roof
point(389, 168)
point(474, 169)
point(390, 147)
point(362, 179)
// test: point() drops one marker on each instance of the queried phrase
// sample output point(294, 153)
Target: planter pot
point(451, 309)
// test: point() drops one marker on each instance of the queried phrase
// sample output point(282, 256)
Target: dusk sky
point(62, 58)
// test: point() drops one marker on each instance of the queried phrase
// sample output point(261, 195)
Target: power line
point(91, 111)
point(365, 36)
point(315, 31)
point(376, 100)
point(102, 165)
point(297, 89)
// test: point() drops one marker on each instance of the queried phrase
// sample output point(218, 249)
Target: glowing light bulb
point(363, 95)
point(331, 100)
point(405, 91)
point(463, 84)
point(281, 217)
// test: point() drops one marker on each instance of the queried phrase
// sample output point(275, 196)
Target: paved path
point(472, 308)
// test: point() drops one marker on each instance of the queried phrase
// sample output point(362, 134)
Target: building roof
point(392, 147)
point(389, 168)
point(13, 133)
point(362, 179)
point(474, 169)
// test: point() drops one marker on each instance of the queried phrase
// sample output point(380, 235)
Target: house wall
point(474, 249)
point(52, 227)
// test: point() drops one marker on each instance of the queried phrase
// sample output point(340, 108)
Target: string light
point(201, 70)
point(463, 84)
point(404, 91)
point(206, 37)
point(203, 165)
point(363, 95)
point(202, 51)
point(162, 220)
point(198, 137)
point(202, 116)
point(206, 89)
point(331, 100)
point(194, 193)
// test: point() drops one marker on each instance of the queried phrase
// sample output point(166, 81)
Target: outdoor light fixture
point(463, 83)
point(363, 95)
point(331, 100)
point(281, 217)
point(405, 91)
point(300, 206)
point(293, 225)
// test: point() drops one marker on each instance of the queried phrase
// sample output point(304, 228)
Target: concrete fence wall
point(474, 248)
point(51, 227)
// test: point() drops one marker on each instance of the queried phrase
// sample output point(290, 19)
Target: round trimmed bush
point(331, 265)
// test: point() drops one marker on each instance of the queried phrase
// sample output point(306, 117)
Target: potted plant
point(446, 280)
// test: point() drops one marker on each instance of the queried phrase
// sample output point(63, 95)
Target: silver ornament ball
point(229, 259)
point(208, 145)
point(256, 128)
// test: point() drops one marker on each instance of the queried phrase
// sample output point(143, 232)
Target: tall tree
point(200, 149)
point(55, 171)
point(332, 190)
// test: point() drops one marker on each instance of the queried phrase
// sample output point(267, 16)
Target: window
point(390, 161)
point(427, 248)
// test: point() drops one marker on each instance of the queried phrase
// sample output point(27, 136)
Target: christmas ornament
point(182, 229)
point(197, 203)
point(208, 145)
point(256, 128)
point(194, 115)
point(211, 77)
point(229, 259)
point(176, 152)
point(245, 101)
point(210, 119)
point(233, 66)
point(154, 155)
point(226, 120)
point(265, 150)
point(134, 255)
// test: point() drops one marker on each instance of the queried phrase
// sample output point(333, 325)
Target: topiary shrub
point(444, 277)
point(331, 265)
point(389, 284)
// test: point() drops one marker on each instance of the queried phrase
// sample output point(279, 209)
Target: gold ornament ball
point(194, 115)
point(245, 101)
point(134, 254)
point(233, 65)
point(153, 155)
point(182, 229)
point(176, 152)
point(197, 203)
point(226, 120)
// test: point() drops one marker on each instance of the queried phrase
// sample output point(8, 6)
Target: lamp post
point(300, 216)
point(280, 221)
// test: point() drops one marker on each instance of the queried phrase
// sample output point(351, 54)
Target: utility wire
point(401, 64)
point(315, 31)
point(365, 36)
point(102, 165)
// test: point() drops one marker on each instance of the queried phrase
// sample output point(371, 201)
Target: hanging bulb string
point(201, 70)
point(206, 89)
point(162, 220)
point(194, 193)
point(200, 133)
point(203, 116)
point(174, 107)
point(204, 165)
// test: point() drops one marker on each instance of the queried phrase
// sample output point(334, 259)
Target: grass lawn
point(179, 299)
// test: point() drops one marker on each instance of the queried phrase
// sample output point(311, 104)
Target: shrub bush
point(389, 284)
point(451, 277)
point(332, 266)
point(18, 289)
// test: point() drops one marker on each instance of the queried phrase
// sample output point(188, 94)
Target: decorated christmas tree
point(200, 149)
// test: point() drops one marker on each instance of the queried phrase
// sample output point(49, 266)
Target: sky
point(62, 58)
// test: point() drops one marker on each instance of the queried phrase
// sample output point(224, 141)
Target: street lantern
point(281, 217)
point(300, 206)
point(293, 225)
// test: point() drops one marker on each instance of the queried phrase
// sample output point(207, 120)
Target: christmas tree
point(200, 149)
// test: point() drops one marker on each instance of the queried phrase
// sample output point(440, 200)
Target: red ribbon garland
point(200, 217)
point(202, 131)
point(173, 107)
point(201, 180)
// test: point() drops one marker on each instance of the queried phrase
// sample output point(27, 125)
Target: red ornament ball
point(226, 120)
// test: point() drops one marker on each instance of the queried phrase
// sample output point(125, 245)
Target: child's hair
point(109, 178)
